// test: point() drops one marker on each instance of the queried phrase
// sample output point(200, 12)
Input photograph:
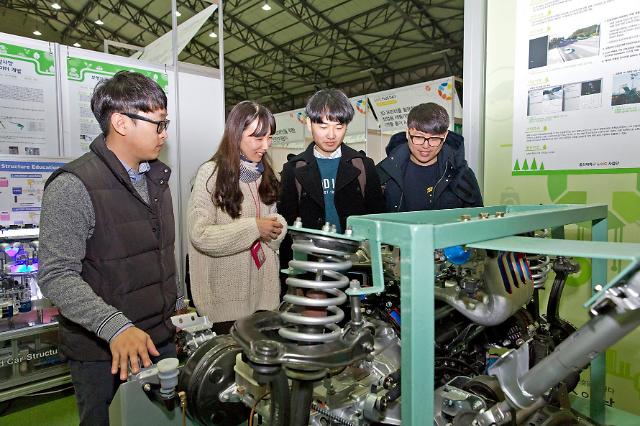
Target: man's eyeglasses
point(162, 124)
point(433, 141)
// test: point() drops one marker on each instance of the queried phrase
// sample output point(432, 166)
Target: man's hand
point(126, 347)
point(270, 228)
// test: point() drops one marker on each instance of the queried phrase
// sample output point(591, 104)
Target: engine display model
point(29, 357)
point(411, 318)
point(18, 269)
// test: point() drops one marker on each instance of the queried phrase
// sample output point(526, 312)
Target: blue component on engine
point(457, 255)
point(395, 315)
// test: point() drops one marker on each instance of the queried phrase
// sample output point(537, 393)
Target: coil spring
point(329, 262)
point(539, 264)
point(334, 419)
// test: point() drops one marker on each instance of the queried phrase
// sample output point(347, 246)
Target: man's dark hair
point(126, 91)
point(428, 118)
point(395, 141)
point(330, 104)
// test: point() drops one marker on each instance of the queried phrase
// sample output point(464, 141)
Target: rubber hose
point(301, 394)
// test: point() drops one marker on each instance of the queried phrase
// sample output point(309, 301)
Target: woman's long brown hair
point(226, 192)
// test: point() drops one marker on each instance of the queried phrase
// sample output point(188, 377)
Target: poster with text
point(357, 129)
point(21, 187)
point(83, 75)
point(391, 107)
point(290, 128)
point(576, 87)
point(28, 104)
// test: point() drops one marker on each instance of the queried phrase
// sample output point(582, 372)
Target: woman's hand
point(270, 228)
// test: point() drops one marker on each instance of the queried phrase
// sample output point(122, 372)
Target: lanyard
point(256, 200)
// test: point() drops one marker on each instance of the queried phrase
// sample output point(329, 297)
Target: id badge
point(257, 253)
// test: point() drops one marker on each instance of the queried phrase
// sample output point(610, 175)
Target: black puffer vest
point(129, 260)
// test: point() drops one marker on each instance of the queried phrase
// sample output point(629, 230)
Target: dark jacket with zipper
point(349, 199)
point(456, 186)
point(129, 259)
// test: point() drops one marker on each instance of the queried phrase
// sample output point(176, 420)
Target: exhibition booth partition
point(46, 121)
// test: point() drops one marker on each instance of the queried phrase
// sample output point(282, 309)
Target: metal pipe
point(578, 350)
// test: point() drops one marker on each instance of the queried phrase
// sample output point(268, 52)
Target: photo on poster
point(545, 101)
point(538, 52)
point(575, 44)
point(583, 95)
point(626, 88)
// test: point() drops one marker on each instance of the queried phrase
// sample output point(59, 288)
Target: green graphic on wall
point(42, 60)
point(78, 68)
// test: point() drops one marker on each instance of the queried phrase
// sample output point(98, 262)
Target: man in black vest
point(107, 245)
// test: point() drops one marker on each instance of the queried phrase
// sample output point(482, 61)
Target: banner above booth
point(357, 129)
point(391, 107)
point(290, 128)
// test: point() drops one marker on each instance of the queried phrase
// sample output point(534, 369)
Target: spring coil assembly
point(328, 279)
point(539, 264)
point(332, 417)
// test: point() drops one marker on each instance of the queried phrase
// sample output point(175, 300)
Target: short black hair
point(395, 141)
point(126, 91)
point(330, 104)
point(428, 118)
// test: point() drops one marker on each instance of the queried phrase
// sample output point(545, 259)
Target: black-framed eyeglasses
point(162, 124)
point(433, 141)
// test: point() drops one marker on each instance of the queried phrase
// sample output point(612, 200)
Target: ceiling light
point(213, 35)
point(56, 6)
point(266, 6)
point(178, 14)
point(36, 32)
point(76, 44)
point(99, 21)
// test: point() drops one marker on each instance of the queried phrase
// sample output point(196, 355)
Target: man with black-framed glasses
point(161, 125)
point(107, 245)
point(428, 172)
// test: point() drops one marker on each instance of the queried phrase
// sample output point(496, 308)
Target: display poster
point(290, 129)
point(357, 129)
point(619, 191)
point(21, 188)
point(576, 87)
point(391, 107)
point(28, 104)
point(82, 76)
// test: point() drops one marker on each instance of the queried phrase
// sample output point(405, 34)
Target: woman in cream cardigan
point(234, 230)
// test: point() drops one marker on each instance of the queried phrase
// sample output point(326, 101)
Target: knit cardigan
point(225, 283)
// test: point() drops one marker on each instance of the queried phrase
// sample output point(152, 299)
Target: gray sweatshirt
point(67, 221)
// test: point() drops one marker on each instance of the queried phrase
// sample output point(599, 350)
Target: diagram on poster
point(28, 106)
point(82, 76)
point(577, 87)
point(21, 188)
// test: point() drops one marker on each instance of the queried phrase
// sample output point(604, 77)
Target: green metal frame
point(418, 234)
